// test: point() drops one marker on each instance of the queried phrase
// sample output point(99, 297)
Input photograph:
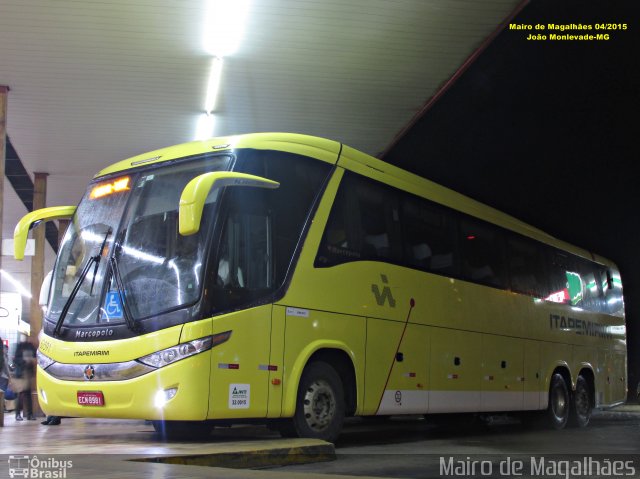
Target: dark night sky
point(549, 133)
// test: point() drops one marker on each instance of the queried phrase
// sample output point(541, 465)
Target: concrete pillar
point(37, 261)
point(4, 90)
point(62, 229)
point(4, 93)
point(37, 273)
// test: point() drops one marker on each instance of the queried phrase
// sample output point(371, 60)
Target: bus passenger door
point(242, 276)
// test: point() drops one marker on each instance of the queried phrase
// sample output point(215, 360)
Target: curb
point(318, 451)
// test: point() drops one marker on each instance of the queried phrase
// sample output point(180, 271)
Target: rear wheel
point(183, 430)
point(559, 402)
point(581, 404)
point(320, 406)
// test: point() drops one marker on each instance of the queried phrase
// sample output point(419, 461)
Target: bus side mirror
point(32, 219)
point(195, 194)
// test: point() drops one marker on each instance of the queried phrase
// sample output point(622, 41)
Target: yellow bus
point(293, 280)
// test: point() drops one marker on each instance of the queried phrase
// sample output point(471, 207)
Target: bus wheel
point(320, 405)
point(581, 406)
point(183, 430)
point(559, 402)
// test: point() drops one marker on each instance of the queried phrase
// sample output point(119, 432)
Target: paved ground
point(99, 448)
point(407, 448)
point(415, 448)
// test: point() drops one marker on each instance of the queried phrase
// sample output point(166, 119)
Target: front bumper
point(134, 398)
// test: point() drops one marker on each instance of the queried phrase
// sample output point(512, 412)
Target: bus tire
point(320, 406)
point(581, 404)
point(559, 403)
point(183, 430)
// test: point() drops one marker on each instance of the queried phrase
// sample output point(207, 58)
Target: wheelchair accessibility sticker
point(113, 305)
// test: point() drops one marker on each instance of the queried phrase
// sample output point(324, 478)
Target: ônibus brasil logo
point(40, 468)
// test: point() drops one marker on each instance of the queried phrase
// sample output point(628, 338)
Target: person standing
point(4, 367)
point(24, 375)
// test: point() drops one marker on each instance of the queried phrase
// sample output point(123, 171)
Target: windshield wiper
point(119, 286)
point(83, 274)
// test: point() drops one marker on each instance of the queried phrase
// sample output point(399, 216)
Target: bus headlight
point(170, 355)
point(44, 361)
point(163, 396)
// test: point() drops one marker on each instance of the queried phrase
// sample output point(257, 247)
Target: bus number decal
point(239, 396)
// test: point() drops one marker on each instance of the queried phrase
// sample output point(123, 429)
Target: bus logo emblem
point(89, 373)
point(386, 295)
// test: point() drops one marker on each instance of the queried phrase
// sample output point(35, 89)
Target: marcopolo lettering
point(94, 333)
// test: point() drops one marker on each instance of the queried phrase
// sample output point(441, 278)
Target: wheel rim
point(319, 405)
point(582, 402)
point(559, 404)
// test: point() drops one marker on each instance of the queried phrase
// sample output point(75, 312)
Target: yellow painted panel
point(456, 360)
point(619, 389)
point(239, 376)
point(276, 355)
point(502, 372)
point(383, 338)
point(409, 373)
point(533, 382)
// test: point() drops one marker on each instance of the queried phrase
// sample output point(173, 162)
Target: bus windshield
point(126, 232)
point(123, 262)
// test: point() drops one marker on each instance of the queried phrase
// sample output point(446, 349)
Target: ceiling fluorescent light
point(204, 128)
point(21, 289)
point(224, 26)
point(213, 85)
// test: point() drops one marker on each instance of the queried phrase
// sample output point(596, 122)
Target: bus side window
point(612, 288)
point(379, 221)
point(590, 295)
point(245, 252)
point(526, 267)
point(340, 240)
point(482, 253)
point(363, 224)
point(559, 290)
point(428, 236)
point(290, 204)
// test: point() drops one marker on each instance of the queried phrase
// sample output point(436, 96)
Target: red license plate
point(90, 398)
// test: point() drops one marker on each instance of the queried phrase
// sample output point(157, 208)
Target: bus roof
point(313, 146)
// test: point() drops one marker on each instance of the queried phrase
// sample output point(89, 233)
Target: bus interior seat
point(441, 261)
point(378, 243)
point(421, 252)
point(482, 272)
